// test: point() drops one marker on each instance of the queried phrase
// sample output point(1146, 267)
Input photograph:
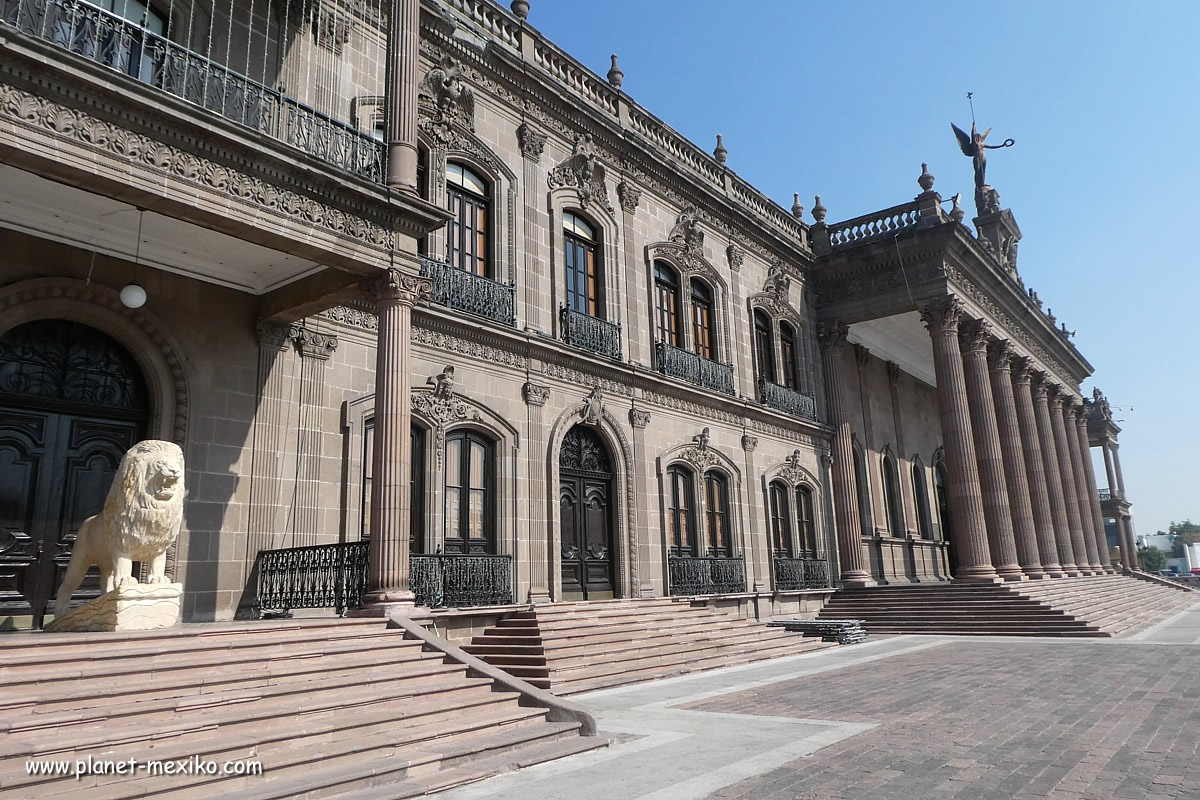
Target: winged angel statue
point(973, 145)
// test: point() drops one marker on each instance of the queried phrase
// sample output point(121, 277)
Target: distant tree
point(1187, 531)
point(1152, 558)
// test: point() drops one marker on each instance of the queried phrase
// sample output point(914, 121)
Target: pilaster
point(639, 419)
point(1035, 468)
point(535, 476)
point(314, 348)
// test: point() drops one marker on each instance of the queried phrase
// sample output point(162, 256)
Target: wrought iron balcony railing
point(465, 291)
point(787, 400)
point(1105, 494)
point(801, 573)
point(695, 369)
point(590, 333)
point(696, 576)
point(124, 46)
point(461, 581)
point(335, 576)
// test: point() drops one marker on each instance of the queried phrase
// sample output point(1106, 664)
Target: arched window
point(921, 490)
point(704, 342)
point(781, 520)
point(864, 491)
point(580, 256)
point(467, 231)
point(764, 346)
point(891, 496)
point(808, 522)
point(943, 502)
point(787, 352)
point(470, 515)
point(716, 495)
point(666, 304)
point(416, 489)
point(681, 512)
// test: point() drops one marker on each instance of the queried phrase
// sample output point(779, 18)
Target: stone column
point(1015, 476)
point(757, 579)
point(1058, 504)
point(315, 349)
point(845, 493)
point(1109, 471)
point(535, 285)
point(1128, 545)
point(394, 293)
point(648, 548)
point(1092, 495)
point(535, 473)
point(974, 336)
point(1096, 557)
point(1035, 469)
point(966, 498)
point(1116, 455)
point(1066, 473)
point(402, 81)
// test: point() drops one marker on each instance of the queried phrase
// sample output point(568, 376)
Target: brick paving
point(988, 719)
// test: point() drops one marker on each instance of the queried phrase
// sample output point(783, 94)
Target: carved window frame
point(921, 484)
point(567, 200)
point(689, 267)
point(893, 493)
point(700, 464)
point(796, 477)
point(778, 312)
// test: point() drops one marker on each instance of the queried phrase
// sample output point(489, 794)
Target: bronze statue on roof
point(973, 145)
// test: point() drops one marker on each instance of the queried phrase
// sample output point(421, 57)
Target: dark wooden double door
point(586, 517)
point(71, 404)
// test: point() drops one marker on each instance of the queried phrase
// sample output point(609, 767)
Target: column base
point(857, 579)
point(539, 595)
point(1010, 573)
point(1055, 573)
point(980, 573)
point(1071, 573)
point(1034, 573)
point(384, 603)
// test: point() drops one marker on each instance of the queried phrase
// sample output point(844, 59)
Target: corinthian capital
point(1022, 369)
point(832, 334)
point(974, 334)
point(394, 286)
point(1000, 355)
point(942, 315)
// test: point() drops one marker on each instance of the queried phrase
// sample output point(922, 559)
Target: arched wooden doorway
point(585, 495)
point(72, 401)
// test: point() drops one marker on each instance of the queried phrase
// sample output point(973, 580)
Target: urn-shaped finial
point(926, 179)
point(818, 211)
point(720, 153)
point(520, 8)
point(615, 76)
point(797, 206)
point(956, 211)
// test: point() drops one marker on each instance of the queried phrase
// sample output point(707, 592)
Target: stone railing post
point(970, 543)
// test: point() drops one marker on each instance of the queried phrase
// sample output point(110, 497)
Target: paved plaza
point(902, 718)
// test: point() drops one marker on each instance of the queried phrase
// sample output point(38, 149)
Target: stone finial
point(720, 153)
point(818, 211)
point(797, 206)
point(956, 211)
point(615, 75)
point(925, 181)
point(520, 8)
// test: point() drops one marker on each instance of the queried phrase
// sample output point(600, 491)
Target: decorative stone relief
point(582, 171)
point(553, 370)
point(629, 196)
point(736, 257)
point(531, 141)
point(453, 344)
point(443, 384)
point(942, 315)
point(778, 281)
point(444, 96)
point(311, 344)
point(353, 317)
point(593, 407)
point(639, 418)
point(749, 443)
point(699, 454)
point(534, 394)
point(832, 334)
point(687, 233)
point(276, 335)
point(791, 471)
point(893, 372)
point(862, 355)
point(441, 407)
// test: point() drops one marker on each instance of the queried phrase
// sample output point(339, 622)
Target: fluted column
point(1096, 556)
point(1116, 456)
point(1035, 469)
point(394, 293)
point(845, 493)
point(402, 81)
point(970, 544)
point(1125, 531)
point(535, 530)
point(974, 336)
point(1053, 475)
point(1092, 494)
point(1015, 475)
point(1067, 473)
point(1109, 471)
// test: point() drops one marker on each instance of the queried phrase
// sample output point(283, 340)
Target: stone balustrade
point(873, 226)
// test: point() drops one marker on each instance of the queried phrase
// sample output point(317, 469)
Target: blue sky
point(847, 99)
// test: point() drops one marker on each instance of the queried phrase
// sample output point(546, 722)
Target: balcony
point(792, 574)
point(590, 333)
point(1105, 494)
point(335, 576)
point(466, 291)
point(700, 576)
point(787, 400)
point(130, 49)
point(690, 367)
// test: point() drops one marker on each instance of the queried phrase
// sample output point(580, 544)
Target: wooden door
point(586, 517)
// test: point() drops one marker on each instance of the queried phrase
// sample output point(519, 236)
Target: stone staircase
point(1108, 605)
point(329, 708)
point(577, 647)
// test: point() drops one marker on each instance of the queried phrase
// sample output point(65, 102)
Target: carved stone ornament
point(440, 407)
point(531, 141)
point(584, 172)
point(791, 471)
point(687, 232)
point(443, 384)
point(139, 522)
point(700, 458)
point(353, 317)
point(445, 98)
point(593, 407)
point(276, 335)
point(941, 316)
point(1000, 355)
point(832, 334)
point(862, 355)
point(534, 394)
point(311, 344)
point(629, 196)
point(778, 281)
point(736, 257)
point(749, 443)
point(973, 335)
point(639, 418)
point(893, 372)
point(1098, 407)
point(1022, 370)
point(394, 286)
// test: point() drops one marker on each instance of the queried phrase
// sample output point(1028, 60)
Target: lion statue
point(140, 520)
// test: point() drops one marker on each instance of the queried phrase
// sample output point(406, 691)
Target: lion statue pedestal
point(140, 521)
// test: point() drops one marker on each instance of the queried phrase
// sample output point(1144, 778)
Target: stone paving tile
point(976, 720)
